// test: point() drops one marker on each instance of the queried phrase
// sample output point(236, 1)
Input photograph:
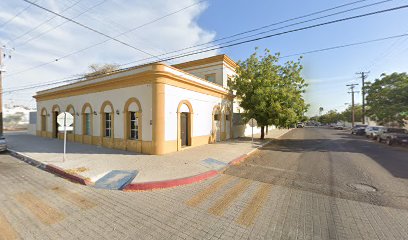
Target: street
point(314, 183)
point(330, 161)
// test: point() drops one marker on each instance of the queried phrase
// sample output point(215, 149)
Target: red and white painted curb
point(170, 183)
point(136, 186)
point(51, 168)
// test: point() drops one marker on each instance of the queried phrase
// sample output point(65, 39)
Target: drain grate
point(362, 187)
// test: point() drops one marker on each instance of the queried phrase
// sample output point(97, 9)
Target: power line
point(91, 29)
point(273, 24)
point(16, 15)
point(180, 50)
point(102, 42)
point(277, 34)
point(44, 22)
point(55, 82)
point(59, 25)
point(270, 25)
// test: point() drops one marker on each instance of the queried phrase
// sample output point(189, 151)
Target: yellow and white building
point(153, 109)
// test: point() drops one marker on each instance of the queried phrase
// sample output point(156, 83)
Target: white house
point(153, 109)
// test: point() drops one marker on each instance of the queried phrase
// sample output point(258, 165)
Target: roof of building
point(203, 61)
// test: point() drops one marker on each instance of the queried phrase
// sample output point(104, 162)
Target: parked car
point(358, 129)
point(339, 126)
point(393, 135)
point(372, 131)
point(300, 125)
point(3, 144)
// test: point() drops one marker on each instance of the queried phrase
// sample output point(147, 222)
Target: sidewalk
point(93, 162)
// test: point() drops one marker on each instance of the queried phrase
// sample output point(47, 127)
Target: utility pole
point(352, 102)
point(363, 77)
point(1, 90)
point(3, 54)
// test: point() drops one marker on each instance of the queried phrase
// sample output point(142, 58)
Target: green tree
point(320, 111)
point(98, 69)
point(347, 114)
point(269, 92)
point(387, 98)
point(331, 116)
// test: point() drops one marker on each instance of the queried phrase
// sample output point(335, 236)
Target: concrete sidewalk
point(93, 162)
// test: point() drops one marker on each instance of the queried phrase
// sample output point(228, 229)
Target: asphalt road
point(331, 162)
point(295, 188)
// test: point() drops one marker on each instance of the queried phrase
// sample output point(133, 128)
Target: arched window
point(107, 119)
point(43, 119)
point(133, 114)
point(87, 120)
point(71, 110)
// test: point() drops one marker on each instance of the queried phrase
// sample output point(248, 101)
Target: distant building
point(153, 109)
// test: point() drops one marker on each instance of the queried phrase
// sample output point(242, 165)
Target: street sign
point(65, 119)
point(252, 122)
point(70, 128)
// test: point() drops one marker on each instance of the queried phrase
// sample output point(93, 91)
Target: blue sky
point(326, 72)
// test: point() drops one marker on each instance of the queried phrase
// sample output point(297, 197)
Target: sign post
point(65, 120)
point(252, 122)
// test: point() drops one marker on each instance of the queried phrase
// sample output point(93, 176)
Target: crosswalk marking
point(73, 197)
point(6, 230)
point(248, 215)
point(210, 190)
point(44, 212)
point(221, 205)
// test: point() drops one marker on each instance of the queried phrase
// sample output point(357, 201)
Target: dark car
point(393, 135)
point(358, 129)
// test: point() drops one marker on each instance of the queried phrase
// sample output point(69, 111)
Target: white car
point(3, 144)
point(372, 131)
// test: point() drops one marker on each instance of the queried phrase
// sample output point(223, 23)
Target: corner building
point(152, 109)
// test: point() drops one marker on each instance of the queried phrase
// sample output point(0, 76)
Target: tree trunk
point(262, 132)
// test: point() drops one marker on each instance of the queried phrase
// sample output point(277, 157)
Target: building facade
point(153, 109)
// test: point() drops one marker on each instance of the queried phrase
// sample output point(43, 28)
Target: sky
point(151, 28)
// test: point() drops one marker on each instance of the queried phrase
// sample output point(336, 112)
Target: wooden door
point(184, 129)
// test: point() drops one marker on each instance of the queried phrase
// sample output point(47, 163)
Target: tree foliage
point(269, 92)
point(347, 114)
point(100, 69)
point(331, 116)
point(387, 98)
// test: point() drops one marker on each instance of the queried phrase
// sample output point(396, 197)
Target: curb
point(169, 183)
point(137, 186)
point(51, 168)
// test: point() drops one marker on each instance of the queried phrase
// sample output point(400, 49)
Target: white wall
point(202, 107)
point(117, 97)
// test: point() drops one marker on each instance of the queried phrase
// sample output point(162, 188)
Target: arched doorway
point(87, 123)
point(55, 111)
point(216, 123)
point(44, 122)
point(185, 123)
point(228, 122)
point(71, 134)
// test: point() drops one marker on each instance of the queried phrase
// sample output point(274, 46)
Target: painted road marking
point(213, 164)
point(6, 230)
point(44, 212)
point(249, 214)
point(221, 205)
point(116, 179)
point(73, 197)
point(210, 190)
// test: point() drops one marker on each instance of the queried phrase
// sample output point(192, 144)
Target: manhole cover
point(363, 187)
